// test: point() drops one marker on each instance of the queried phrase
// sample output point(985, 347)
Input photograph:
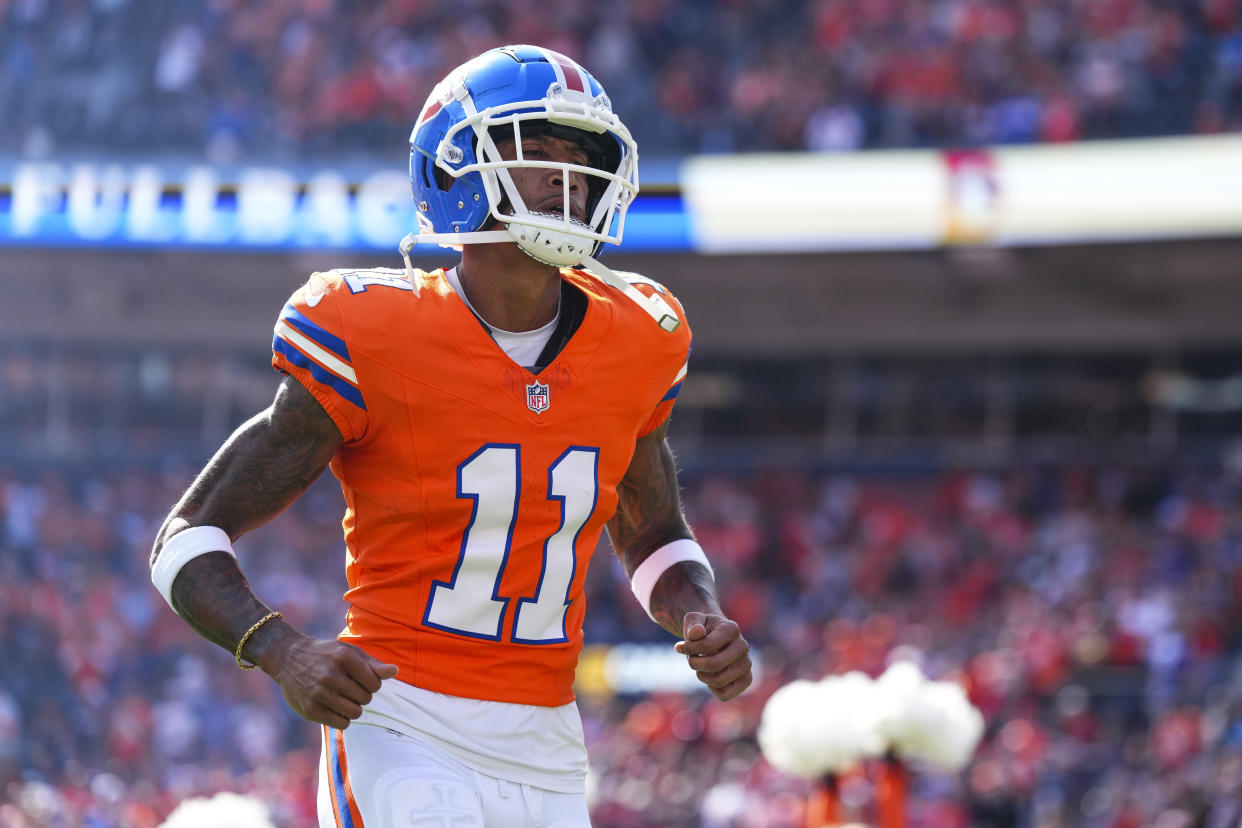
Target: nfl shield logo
point(537, 397)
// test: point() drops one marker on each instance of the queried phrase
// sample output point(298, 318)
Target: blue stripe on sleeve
point(673, 392)
point(321, 374)
point(298, 320)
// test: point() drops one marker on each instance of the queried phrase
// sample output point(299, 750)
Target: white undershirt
point(523, 347)
point(524, 743)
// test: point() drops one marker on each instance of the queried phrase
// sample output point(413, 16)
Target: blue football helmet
point(461, 184)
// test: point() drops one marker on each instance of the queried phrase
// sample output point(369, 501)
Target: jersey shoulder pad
point(640, 281)
point(354, 299)
point(314, 322)
point(353, 281)
point(643, 284)
point(314, 308)
point(311, 342)
point(646, 333)
point(650, 287)
point(329, 288)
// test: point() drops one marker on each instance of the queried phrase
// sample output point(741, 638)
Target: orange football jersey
point(475, 491)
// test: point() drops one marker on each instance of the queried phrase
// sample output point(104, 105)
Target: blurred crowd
point(308, 78)
point(1093, 613)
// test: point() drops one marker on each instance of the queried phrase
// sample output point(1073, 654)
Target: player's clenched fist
point(717, 653)
point(327, 682)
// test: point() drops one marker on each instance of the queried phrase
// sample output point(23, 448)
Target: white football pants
point(372, 777)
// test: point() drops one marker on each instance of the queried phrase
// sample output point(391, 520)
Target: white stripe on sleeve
point(328, 360)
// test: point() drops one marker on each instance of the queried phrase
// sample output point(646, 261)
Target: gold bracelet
point(249, 633)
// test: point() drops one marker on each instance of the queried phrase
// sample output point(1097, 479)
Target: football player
point(486, 423)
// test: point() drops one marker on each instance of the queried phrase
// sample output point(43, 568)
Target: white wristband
point(182, 548)
point(650, 570)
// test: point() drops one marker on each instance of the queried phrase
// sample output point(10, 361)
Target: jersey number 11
point(469, 602)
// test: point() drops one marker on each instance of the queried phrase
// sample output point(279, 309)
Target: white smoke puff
point(897, 692)
point(814, 728)
point(224, 810)
point(960, 726)
point(928, 720)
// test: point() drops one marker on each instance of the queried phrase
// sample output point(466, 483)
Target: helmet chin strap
point(407, 244)
point(551, 248)
point(655, 305)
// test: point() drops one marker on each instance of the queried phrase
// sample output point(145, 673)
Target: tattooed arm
point(684, 599)
point(267, 463)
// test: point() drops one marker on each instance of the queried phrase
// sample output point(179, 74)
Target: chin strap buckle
point(407, 245)
point(655, 306)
